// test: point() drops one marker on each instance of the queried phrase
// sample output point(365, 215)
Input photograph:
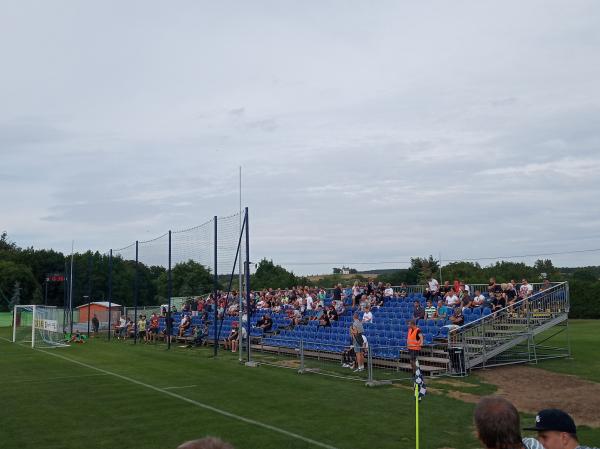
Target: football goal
point(40, 326)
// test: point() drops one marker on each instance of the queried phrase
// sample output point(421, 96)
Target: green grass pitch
point(113, 394)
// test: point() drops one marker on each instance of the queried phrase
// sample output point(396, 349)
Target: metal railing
point(509, 334)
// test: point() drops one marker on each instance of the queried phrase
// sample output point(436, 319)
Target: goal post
point(38, 326)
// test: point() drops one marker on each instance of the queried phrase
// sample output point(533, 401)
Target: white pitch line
point(197, 403)
point(182, 386)
point(47, 379)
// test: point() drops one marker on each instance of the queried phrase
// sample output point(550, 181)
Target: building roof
point(100, 303)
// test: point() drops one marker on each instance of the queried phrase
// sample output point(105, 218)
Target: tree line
point(23, 273)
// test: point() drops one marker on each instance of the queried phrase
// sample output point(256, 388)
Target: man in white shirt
point(309, 302)
point(434, 285)
point(388, 292)
point(478, 299)
point(451, 299)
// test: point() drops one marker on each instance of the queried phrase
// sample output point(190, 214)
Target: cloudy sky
point(367, 131)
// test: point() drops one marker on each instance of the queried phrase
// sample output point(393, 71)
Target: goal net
point(40, 326)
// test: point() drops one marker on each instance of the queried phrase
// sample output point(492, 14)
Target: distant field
point(113, 394)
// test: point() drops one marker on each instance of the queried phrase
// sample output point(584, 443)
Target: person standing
point(357, 330)
point(95, 325)
point(414, 343)
point(556, 430)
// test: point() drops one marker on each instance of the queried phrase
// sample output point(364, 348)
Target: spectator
point(357, 331)
point(556, 430)
point(498, 301)
point(333, 314)
point(199, 336)
point(141, 328)
point(509, 293)
point(168, 330)
point(457, 317)
point(441, 312)
point(206, 443)
point(265, 323)
point(418, 311)
point(356, 294)
point(184, 325)
point(525, 290)
point(153, 331)
point(456, 285)
point(430, 310)
point(122, 327)
point(388, 292)
point(478, 299)
point(95, 324)
point(451, 299)
point(367, 316)
point(324, 320)
point(403, 291)
point(349, 356)
point(498, 425)
point(233, 336)
point(466, 302)
point(434, 285)
point(337, 293)
point(545, 285)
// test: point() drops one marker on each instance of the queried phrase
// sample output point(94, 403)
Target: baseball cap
point(553, 419)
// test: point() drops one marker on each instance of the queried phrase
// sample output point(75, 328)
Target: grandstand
point(515, 334)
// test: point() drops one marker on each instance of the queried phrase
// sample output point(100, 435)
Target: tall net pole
point(240, 282)
point(169, 324)
point(215, 289)
point(248, 309)
point(110, 273)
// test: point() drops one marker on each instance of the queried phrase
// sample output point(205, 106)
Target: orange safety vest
point(412, 341)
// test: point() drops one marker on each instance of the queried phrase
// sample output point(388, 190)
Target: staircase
point(517, 334)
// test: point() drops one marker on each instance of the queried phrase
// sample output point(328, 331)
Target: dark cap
point(553, 419)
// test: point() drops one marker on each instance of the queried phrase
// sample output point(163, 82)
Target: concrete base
point(378, 383)
point(251, 364)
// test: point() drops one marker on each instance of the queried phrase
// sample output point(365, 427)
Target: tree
point(270, 275)
point(189, 279)
point(15, 299)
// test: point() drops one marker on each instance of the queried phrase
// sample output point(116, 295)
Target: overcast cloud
point(367, 131)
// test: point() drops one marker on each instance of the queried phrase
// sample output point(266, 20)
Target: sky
point(368, 132)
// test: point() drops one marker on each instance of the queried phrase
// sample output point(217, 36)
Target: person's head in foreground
point(497, 423)
point(206, 443)
point(556, 429)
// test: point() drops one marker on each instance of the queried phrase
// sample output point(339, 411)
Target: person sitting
point(466, 302)
point(333, 314)
point(266, 323)
point(430, 310)
point(324, 320)
point(349, 357)
point(184, 325)
point(418, 311)
point(388, 292)
point(233, 336)
point(451, 298)
point(499, 301)
point(367, 316)
point(441, 312)
point(457, 317)
point(130, 328)
point(403, 291)
point(76, 337)
point(478, 299)
point(199, 336)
